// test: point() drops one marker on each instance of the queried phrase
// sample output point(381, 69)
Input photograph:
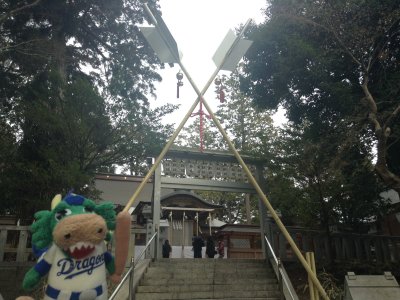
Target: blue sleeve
point(107, 257)
point(42, 267)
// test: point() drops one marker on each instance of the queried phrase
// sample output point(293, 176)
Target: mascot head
point(75, 224)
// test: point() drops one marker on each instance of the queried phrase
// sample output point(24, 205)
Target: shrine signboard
point(203, 169)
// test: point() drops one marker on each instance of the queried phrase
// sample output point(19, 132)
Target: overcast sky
point(199, 27)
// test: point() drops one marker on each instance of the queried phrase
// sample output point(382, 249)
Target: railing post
point(21, 250)
point(3, 240)
point(131, 276)
point(280, 280)
point(131, 273)
point(156, 241)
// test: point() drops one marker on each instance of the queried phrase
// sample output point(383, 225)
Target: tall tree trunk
point(381, 167)
point(59, 58)
point(382, 133)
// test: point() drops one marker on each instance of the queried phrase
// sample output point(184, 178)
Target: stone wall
point(11, 278)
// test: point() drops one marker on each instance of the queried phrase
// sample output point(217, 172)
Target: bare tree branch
point(325, 28)
point(17, 10)
point(392, 116)
point(6, 48)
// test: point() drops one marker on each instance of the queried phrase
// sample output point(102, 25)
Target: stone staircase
point(208, 279)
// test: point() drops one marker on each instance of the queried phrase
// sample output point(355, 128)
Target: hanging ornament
point(221, 95)
point(220, 90)
point(179, 76)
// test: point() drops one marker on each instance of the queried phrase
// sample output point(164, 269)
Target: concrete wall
point(120, 188)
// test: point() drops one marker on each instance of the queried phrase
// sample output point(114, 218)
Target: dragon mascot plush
point(70, 240)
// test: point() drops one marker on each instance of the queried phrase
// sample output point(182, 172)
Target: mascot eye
point(88, 209)
point(62, 213)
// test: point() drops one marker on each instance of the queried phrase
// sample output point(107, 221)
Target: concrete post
point(156, 207)
point(261, 208)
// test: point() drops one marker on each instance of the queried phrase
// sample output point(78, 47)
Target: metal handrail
point(281, 272)
point(131, 269)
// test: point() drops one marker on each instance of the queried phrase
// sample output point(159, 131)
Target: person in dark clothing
point(210, 248)
point(166, 249)
point(221, 247)
point(197, 244)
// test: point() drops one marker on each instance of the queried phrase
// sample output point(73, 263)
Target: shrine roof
point(179, 194)
point(184, 193)
point(230, 228)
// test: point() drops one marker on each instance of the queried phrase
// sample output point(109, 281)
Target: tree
point(251, 131)
point(75, 79)
point(17, 7)
point(333, 63)
point(314, 185)
point(145, 138)
point(190, 135)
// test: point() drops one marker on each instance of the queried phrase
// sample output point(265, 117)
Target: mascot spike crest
point(55, 201)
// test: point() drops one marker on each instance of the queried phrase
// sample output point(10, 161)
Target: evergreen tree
point(333, 64)
point(75, 76)
point(251, 131)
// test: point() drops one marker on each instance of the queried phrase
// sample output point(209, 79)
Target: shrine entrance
point(189, 170)
point(210, 168)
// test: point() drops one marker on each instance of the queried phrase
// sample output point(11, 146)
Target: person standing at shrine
point(166, 249)
point(198, 244)
point(210, 248)
point(221, 247)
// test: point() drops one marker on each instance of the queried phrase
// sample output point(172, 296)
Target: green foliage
point(234, 211)
point(332, 64)
point(250, 130)
point(317, 185)
point(73, 97)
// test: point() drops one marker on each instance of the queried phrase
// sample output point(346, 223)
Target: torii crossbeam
point(226, 57)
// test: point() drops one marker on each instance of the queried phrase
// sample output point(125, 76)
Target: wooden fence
point(243, 245)
point(338, 247)
point(15, 244)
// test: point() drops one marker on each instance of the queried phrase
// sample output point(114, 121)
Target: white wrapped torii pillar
point(226, 57)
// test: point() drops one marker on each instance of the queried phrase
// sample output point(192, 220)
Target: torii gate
point(226, 57)
point(190, 169)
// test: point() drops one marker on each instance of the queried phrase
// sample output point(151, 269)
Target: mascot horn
point(70, 240)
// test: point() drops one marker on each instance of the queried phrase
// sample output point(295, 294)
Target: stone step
point(230, 260)
point(242, 298)
point(210, 266)
point(188, 281)
point(208, 279)
point(217, 276)
point(203, 271)
point(208, 295)
point(206, 287)
point(207, 263)
point(204, 261)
